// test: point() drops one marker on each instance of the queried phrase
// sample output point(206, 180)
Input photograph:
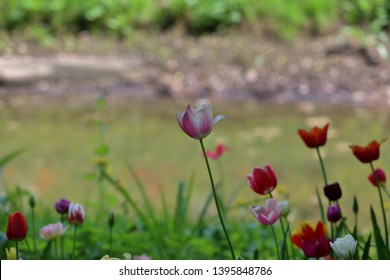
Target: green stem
point(110, 240)
point(322, 166)
point(74, 242)
point(276, 241)
point(382, 205)
point(284, 238)
point(55, 248)
point(17, 250)
point(28, 248)
point(216, 200)
point(289, 236)
point(62, 238)
point(33, 231)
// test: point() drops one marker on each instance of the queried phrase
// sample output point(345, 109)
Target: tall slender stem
point(74, 242)
point(216, 199)
point(17, 250)
point(110, 240)
point(284, 238)
point(382, 206)
point(276, 241)
point(62, 238)
point(55, 248)
point(33, 231)
point(322, 166)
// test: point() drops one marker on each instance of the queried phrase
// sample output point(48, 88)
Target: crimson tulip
point(262, 180)
point(17, 226)
point(380, 175)
point(314, 137)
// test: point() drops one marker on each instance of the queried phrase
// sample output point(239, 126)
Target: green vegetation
point(150, 159)
point(283, 18)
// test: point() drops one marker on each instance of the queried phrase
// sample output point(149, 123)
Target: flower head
point(285, 208)
point(52, 231)
point(368, 153)
point(380, 175)
point(219, 150)
point(314, 137)
point(262, 180)
point(333, 213)
point(62, 206)
point(76, 214)
point(10, 253)
point(17, 226)
point(311, 240)
point(333, 191)
point(269, 214)
point(197, 123)
point(344, 247)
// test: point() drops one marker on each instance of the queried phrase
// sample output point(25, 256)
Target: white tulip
point(344, 247)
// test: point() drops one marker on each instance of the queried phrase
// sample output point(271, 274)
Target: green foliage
point(284, 18)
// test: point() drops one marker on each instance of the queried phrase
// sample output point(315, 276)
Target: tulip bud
point(10, 253)
point(285, 208)
point(355, 207)
point(62, 206)
point(17, 227)
point(333, 191)
point(334, 213)
point(111, 219)
point(76, 214)
point(31, 202)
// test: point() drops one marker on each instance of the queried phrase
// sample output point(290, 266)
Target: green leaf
point(321, 206)
point(366, 249)
point(46, 251)
point(10, 156)
point(382, 251)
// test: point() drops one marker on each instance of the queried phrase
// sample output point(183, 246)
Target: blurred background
point(103, 78)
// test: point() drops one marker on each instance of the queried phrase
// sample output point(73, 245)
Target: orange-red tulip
point(368, 153)
point(314, 137)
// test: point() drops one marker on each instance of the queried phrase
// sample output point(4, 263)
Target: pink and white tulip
point(197, 123)
point(76, 214)
point(269, 214)
point(52, 231)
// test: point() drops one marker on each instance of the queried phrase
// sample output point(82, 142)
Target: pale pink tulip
point(52, 231)
point(269, 214)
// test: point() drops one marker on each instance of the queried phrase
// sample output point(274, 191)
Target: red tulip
point(368, 153)
point(314, 137)
point(17, 226)
point(380, 175)
point(262, 180)
point(219, 150)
